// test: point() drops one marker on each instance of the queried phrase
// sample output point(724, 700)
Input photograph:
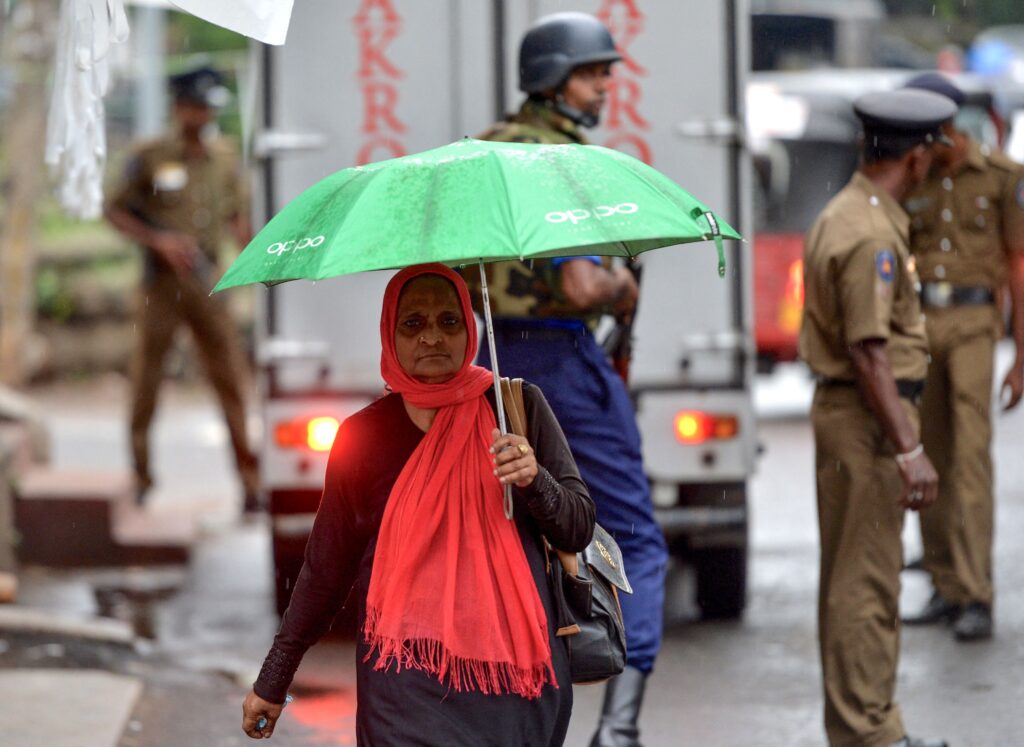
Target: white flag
point(76, 143)
point(263, 20)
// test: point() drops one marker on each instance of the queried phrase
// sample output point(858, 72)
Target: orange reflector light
point(314, 433)
point(695, 427)
point(795, 283)
point(320, 433)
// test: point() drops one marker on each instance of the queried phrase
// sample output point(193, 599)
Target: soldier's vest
point(530, 289)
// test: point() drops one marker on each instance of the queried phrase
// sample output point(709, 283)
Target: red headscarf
point(451, 591)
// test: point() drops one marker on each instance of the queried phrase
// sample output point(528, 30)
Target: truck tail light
point(696, 427)
point(314, 433)
point(795, 283)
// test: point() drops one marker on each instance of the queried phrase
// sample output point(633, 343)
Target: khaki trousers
point(166, 302)
point(956, 429)
point(860, 523)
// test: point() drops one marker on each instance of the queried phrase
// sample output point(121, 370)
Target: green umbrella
point(475, 201)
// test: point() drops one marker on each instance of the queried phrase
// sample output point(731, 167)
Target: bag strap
point(515, 408)
point(515, 405)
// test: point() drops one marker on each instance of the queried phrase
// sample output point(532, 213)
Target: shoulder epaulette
point(997, 159)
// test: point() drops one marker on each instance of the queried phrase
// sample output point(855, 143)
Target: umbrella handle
point(499, 400)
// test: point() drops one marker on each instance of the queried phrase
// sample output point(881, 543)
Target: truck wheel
point(721, 582)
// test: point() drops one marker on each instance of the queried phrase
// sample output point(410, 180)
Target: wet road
point(752, 682)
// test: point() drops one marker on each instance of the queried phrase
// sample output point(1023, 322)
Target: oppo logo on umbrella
point(599, 212)
point(294, 245)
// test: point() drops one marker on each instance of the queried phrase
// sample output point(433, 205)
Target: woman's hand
point(253, 708)
point(514, 460)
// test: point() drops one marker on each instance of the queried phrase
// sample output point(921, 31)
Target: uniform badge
point(170, 177)
point(885, 263)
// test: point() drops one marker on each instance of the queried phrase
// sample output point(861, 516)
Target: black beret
point(202, 85)
point(937, 83)
point(895, 121)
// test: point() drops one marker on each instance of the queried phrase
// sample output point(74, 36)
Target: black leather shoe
point(920, 742)
point(937, 610)
point(973, 624)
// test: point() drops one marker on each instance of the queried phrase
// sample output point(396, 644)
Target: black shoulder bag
point(585, 586)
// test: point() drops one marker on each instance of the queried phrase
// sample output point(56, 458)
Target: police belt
point(944, 295)
point(540, 328)
point(908, 389)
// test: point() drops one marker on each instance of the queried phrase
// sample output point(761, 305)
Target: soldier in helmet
point(544, 315)
point(863, 336)
point(967, 235)
point(176, 197)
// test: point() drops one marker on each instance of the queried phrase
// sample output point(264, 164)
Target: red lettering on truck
point(624, 122)
point(376, 25)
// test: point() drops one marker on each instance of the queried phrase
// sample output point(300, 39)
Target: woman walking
point(457, 641)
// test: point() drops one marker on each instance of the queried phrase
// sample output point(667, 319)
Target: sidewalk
point(61, 708)
point(47, 703)
point(71, 678)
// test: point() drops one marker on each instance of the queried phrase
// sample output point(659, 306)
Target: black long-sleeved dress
point(412, 707)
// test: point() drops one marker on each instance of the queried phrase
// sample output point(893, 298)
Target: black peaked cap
point(938, 83)
point(905, 117)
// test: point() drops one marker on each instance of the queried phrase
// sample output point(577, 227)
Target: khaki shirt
point(859, 285)
point(164, 188)
point(963, 223)
point(529, 289)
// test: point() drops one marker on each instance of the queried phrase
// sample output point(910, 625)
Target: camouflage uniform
point(542, 337)
point(529, 289)
point(960, 226)
point(165, 188)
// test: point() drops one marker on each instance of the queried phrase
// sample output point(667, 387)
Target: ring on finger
point(523, 449)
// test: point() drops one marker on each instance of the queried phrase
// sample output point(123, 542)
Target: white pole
point(499, 400)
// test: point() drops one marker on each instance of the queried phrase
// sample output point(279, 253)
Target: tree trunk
point(28, 52)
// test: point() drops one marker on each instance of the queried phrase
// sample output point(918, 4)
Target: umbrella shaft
point(489, 326)
point(498, 399)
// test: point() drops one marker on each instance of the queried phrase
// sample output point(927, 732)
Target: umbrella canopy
point(473, 201)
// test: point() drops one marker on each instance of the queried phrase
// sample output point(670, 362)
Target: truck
point(363, 80)
point(802, 136)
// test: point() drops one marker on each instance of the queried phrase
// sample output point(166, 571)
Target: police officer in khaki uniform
point(967, 236)
point(863, 336)
point(545, 312)
point(177, 195)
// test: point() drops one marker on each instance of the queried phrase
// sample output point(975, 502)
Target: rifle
point(618, 343)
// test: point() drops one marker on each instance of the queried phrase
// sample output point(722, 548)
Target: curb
point(16, 619)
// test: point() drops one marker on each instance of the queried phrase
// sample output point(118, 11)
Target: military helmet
point(559, 43)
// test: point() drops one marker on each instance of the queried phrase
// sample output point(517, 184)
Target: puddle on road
point(330, 715)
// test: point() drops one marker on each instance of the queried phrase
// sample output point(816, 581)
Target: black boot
point(623, 697)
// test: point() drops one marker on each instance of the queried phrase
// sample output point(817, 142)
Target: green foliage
point(52, 299)
point(980, 12)
point(191, 39)
point(188, 34)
